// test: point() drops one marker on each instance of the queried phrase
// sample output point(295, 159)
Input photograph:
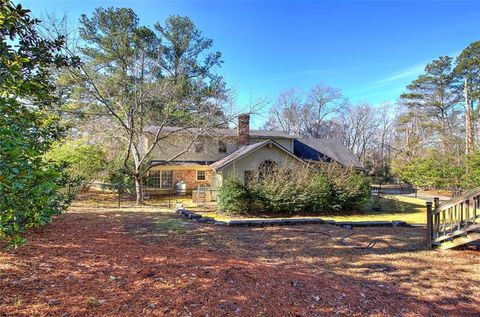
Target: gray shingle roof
point(333, 149)
point(219, 132)
point(244, 150)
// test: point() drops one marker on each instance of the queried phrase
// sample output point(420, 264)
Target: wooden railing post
point(436, 202)
point(467, 212)
point(475, 207)
point(436, 220)
point(429, 224)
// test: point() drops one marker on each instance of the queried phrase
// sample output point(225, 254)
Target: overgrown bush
point(298, 190)
point(234, 197)
point(349, 189)
point(438, 170)
point(290, 191)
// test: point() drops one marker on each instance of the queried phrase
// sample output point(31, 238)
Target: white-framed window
point(198, 147)
point(201, 175)
point(222, 147)
point(160, 179)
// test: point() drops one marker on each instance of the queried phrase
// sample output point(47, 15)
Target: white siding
point(177, 143)
point(286, 143)
point(252, 162)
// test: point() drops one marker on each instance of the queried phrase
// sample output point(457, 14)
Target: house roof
point(180, 163)
point(324, 149)
point(241, 152)
point(246, 150)
point(218, 132)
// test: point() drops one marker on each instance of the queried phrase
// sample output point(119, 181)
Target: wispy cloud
point(406, 73)
point(389, 93)
point(390, 86)
point(313, 72)
point(296, 75)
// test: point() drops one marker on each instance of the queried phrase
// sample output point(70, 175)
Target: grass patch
point(106, 199)
point(170, 225)
point(155, 225)
point(392, 207)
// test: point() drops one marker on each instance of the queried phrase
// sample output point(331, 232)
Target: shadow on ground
point(123, 263)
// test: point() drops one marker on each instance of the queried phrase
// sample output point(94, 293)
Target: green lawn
point(410, 210)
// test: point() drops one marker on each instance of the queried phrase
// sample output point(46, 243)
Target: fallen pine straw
point(134, 263)
point(370, 245)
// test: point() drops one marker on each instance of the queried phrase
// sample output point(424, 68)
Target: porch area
point(194, 182)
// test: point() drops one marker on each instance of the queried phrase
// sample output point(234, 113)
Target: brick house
point(180, 165)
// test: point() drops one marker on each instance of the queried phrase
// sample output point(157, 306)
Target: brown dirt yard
point(142, 262)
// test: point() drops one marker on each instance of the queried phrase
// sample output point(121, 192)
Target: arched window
point(266, 168)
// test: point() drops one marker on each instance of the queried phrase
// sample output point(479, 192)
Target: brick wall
point(190, 178)
point(243, 129)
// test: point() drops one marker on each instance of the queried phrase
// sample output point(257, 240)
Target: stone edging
point(187, 214)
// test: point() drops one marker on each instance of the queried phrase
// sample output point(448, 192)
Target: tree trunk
point(139, 190)
point(469, 133)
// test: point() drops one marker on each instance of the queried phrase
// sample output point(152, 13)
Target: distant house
point(218, 154)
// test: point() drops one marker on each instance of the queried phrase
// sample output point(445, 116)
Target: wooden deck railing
point(453, 218)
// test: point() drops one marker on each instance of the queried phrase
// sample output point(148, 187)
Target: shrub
point(290, 191)
point(85, 162)
point(434, 169)
point(349, 189)
point(283, 190)
point(297, 190)
point(120, 181)
point(234, 197)
point(322, 194)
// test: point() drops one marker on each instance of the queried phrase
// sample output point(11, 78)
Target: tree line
point(430, 137)
point(75, 103)
point(324, 112)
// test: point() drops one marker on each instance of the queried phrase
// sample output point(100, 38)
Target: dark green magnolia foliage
point(30, 188)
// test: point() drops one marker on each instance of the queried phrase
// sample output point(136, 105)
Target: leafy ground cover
point(144, 262)
point(392, 207)
point(105, 199)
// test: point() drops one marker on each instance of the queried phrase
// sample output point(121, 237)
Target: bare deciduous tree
point(285, 113)
point(136, 78)
point(359, 129)
point(323, 102)
point(307, 114)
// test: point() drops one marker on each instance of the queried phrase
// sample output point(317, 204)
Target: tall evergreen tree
point(433, 99)
point(139, 78)
point(467, 69)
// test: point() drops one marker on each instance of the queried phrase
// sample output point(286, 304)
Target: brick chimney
point(243, 129)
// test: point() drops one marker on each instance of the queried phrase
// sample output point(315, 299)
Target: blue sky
point(370, 50)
